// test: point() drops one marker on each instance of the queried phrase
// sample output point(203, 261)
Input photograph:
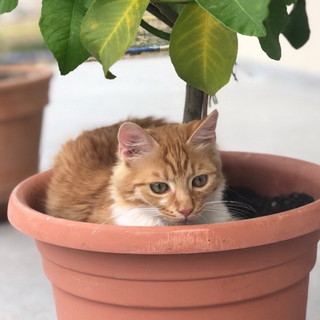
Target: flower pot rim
point(166, 239)
point(26, 73)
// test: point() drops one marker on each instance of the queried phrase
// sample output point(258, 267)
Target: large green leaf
point(289, 2)
point(242, 16)
point(297, 31)
point(202, 50)
point(60, 24)
point(110, 27)
point(7, 5)
point(275, 24)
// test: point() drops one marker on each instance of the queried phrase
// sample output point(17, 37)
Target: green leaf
point(110, 75)
point(202, 50)
point(297, 31)
point(242, 16)
point(275, 24)
point(289, 2)
point(7, 5)
point(110, 27)
point(173, 1)
point(177, 7)
point(60, 24)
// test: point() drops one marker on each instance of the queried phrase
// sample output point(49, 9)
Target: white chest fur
point(136, 216)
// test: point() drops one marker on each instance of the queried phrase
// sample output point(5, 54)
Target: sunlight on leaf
point(202, 50)
point(110, 27)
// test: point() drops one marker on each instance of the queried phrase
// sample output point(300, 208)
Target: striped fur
point(104, 176)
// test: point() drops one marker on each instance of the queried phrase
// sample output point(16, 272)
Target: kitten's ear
point(134, 141)
point(205, 133)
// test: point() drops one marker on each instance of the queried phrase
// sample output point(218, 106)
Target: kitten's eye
point(200, 181)
point(159, 187)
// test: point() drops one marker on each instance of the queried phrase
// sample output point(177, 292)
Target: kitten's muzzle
point(186, 212)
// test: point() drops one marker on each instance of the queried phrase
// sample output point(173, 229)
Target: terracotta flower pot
point(250, 269)
point(23, 95)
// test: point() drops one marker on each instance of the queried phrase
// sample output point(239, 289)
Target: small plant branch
point(158, 14)
point(159, 33)
point(167, 11)
point(234, 76)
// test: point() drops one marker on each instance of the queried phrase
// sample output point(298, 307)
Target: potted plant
point(250, 269)
point(23, 95)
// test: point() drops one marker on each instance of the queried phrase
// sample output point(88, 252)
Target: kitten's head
point(172, 170)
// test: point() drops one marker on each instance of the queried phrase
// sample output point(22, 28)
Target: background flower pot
point(251, 269)
point(23, 95)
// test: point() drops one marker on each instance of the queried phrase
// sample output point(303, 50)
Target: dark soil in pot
point(246, 203)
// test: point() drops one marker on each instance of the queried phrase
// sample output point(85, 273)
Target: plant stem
point(158, 14)
point(167, 11)
point(205, 103)
point(159, 33)
point(196, 104)
point(196, 101)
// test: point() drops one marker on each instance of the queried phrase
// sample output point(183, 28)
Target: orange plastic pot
point(23, 95)
point(251, 269)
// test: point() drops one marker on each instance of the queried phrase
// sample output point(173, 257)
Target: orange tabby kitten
point(141, 173)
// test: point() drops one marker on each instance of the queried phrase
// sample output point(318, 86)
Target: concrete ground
point(270, 109)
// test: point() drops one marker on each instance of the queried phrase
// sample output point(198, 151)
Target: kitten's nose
point(186, 212)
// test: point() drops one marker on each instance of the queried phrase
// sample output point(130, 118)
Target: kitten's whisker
point(202, 215)
point(242, 210)
point(236, 209)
